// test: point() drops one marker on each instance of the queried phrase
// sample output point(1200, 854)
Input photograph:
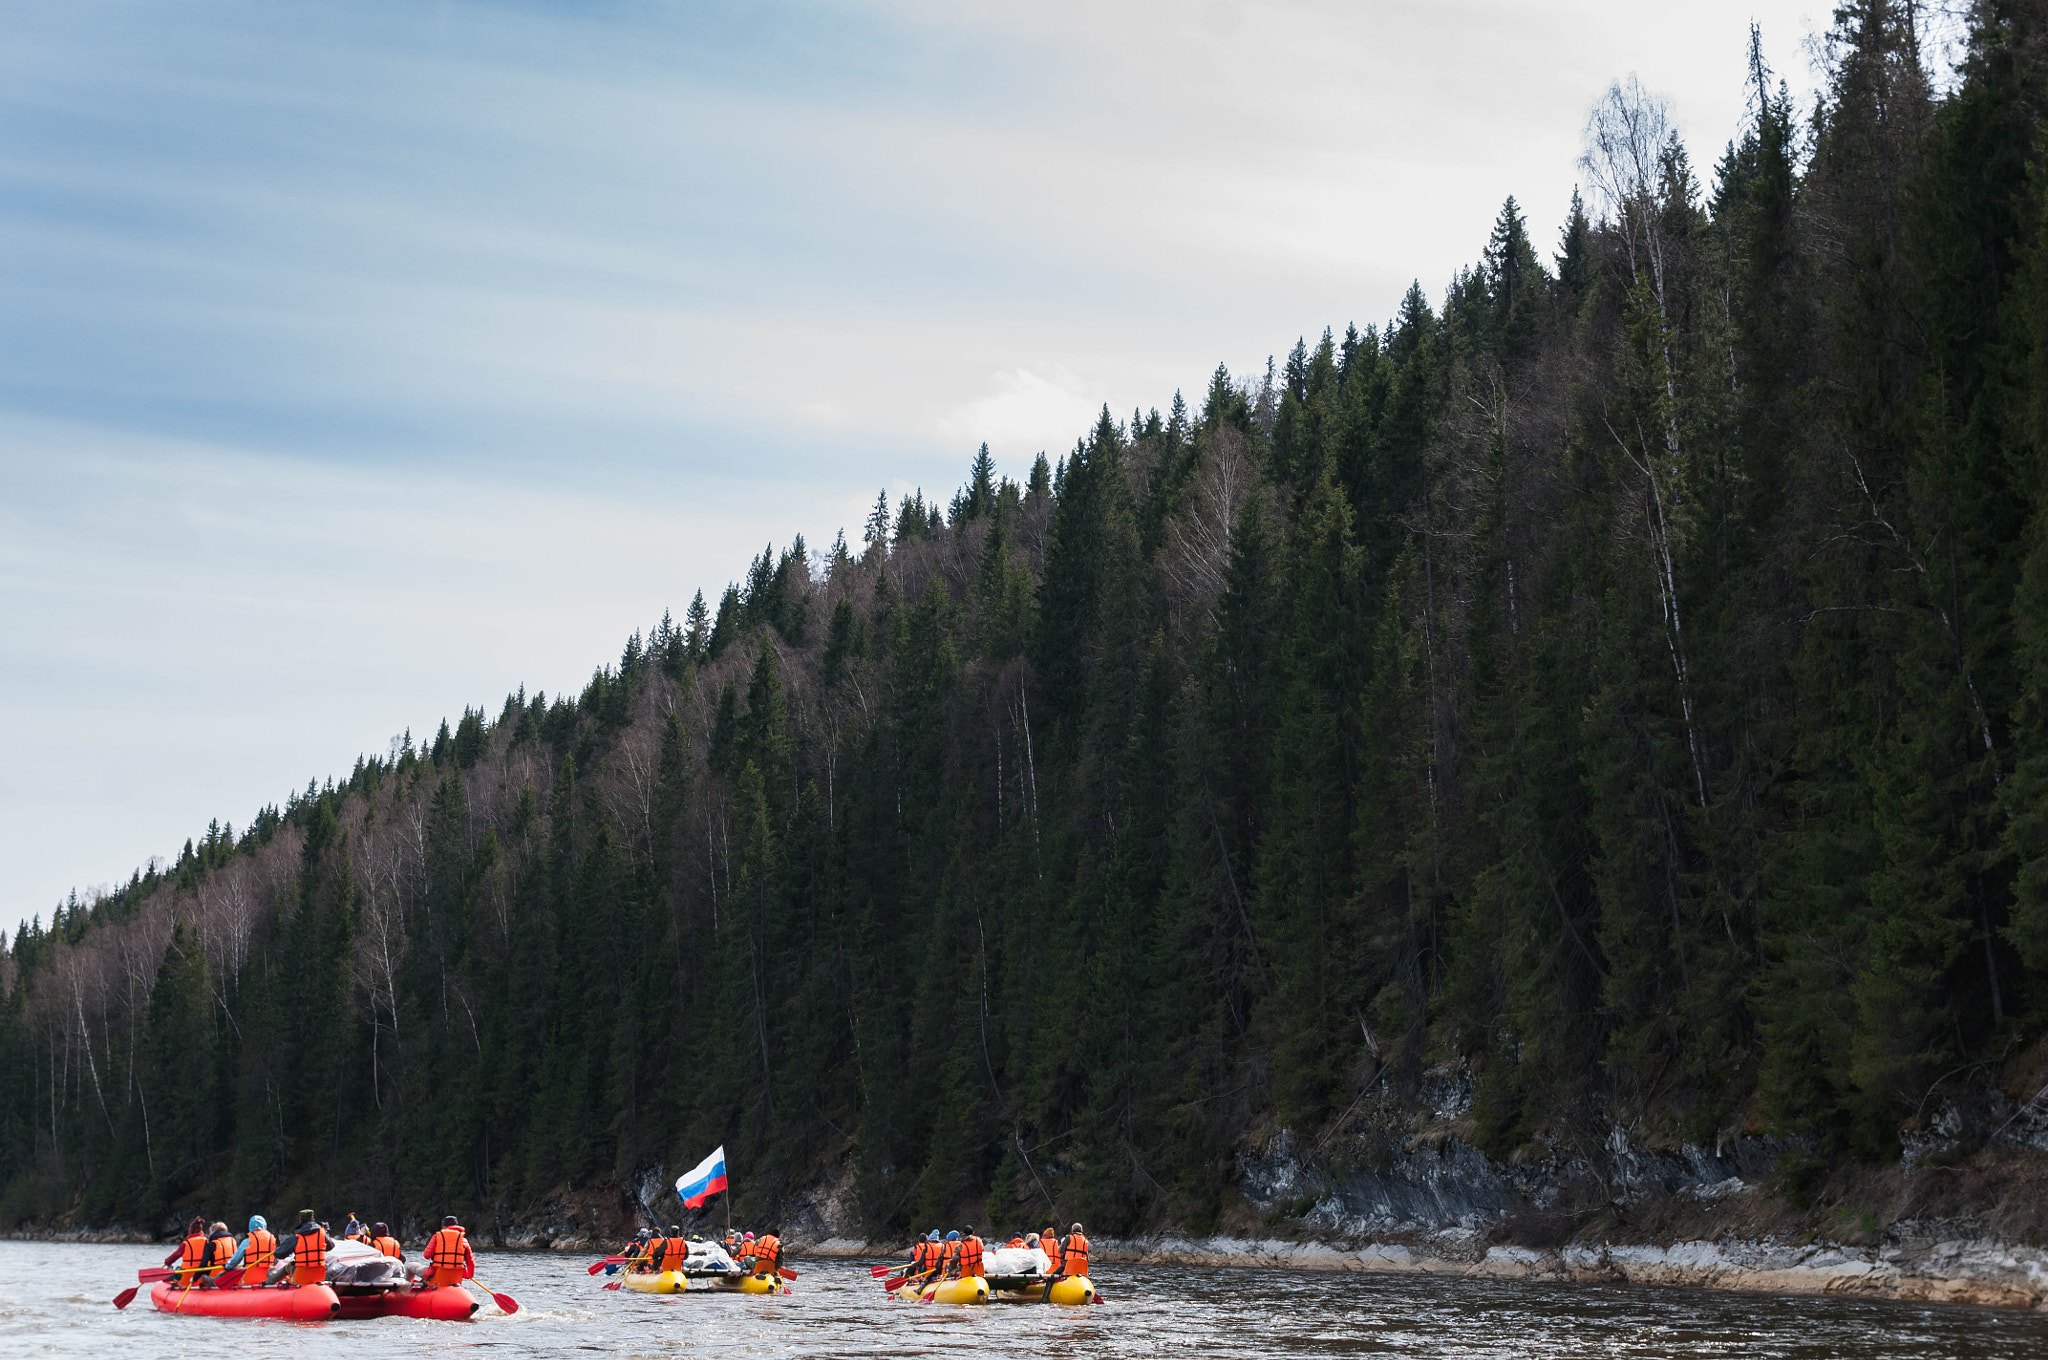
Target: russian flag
point(701, 1184)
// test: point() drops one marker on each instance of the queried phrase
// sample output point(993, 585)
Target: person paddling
point(970, 1254)
point(258, 1251)
point(672, 1251)
point(1074, 1253)
point(449, 1258)
point(635, 1252)
point(1049, 1243)
point(767, 1253)
point(189, 1255)
point(382, 1240)
point(221, 1248)
point(949, 1256)
point(305, 1254)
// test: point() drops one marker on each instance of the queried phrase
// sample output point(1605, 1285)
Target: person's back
point(767, 1254)
point(310, 1244)
point(449, 1258)
point(259, 1250)
point(191, 1253)
point(383, 1241)
point(675, 1249)
point(1074, 1253)
point(970, 1255)
point(220, 1248)
point(1049, 1243)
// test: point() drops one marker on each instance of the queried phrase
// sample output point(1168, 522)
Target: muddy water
point(54, 1300)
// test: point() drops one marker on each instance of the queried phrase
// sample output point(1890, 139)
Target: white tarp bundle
point(1015, 1261)
point(708, 1256)
point(351, 1262)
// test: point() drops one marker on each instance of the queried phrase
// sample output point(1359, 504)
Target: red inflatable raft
point(307, 1303)
point(450, 1303)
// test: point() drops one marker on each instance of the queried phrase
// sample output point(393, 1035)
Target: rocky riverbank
point(1982, 1271)
point(1960, 1218)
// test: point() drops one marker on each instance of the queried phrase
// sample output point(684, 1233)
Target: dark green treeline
point(1622, 683)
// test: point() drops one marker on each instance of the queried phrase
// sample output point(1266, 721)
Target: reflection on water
point(54, 1300)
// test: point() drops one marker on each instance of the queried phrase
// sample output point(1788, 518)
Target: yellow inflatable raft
point(664, 1282)
point(1072, 1291)
point(973, 1289)
point(704, 1282)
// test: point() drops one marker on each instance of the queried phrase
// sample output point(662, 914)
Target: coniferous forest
point(1618, 685)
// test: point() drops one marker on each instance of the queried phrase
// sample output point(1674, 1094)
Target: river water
point(55, 1300)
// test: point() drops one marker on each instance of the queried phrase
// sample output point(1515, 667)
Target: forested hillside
point(1619, 685)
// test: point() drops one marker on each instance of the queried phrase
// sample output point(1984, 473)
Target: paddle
point(505, 1302)
point(892, 1285)
point(228, 1279)
point(785, 1272)
point(607, 1261)
point(126, 1296)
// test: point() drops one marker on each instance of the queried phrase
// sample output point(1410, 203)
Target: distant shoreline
point(1979, 1272)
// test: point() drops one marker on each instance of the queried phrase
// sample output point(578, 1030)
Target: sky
point(364, 361)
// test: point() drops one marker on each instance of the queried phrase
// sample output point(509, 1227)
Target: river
point(55, 1300)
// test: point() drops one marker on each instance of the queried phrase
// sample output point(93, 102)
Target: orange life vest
point(1049, 1243)
point(219, 1251)
point(1074, 1255)
point(673, 1252)
point(191, 1259)
point(262, 1253)
point(389, 1246)
point(1014, 1242)
point(309, 1254)
point(970, 1257)
point(767, 1253)
point(949, 1257)
point(449, 1257)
